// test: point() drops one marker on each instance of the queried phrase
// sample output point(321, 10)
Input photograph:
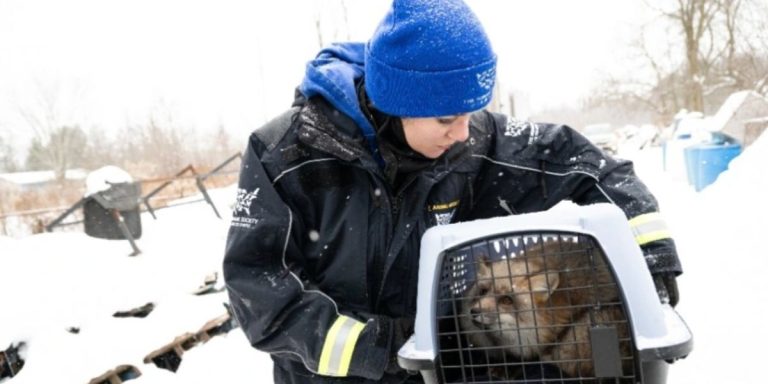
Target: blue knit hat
point(429, 58)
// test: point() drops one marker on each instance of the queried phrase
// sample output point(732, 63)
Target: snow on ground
point(721, 237)
point(55, 281)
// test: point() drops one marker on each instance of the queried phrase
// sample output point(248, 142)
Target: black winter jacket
point(322, 254)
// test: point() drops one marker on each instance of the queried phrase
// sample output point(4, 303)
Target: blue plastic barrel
point(691, 163)
point(705, 162)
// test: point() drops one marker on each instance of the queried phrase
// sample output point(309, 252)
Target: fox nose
point(478, 317)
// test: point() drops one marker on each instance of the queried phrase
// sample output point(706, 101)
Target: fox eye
point(483, 291)
point(506, 300)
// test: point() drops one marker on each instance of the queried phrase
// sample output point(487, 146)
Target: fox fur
point(540, 305)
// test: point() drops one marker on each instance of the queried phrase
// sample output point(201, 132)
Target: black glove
point(666, 287)
point(402, 330)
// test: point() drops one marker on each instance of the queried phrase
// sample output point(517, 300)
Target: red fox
point(541, 304)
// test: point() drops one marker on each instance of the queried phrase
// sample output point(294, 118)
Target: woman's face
point(432, 136)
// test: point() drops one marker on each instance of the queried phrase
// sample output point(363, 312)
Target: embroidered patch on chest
point(443, 206)
point(442, 213)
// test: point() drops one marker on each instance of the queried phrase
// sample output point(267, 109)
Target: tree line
point(148, 150)
point(710, 49)
point(691, 55)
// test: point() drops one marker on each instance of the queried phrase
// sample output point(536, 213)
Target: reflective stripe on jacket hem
point(339, 345)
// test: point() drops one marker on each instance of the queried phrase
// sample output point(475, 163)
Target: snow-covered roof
point(732, 105)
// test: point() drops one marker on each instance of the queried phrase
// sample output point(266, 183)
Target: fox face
point(505, 299)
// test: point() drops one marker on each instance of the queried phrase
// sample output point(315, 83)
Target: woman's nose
point(460, 129)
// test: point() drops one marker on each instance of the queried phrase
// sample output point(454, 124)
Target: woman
point(386, 139)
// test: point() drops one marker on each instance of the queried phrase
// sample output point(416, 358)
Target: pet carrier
point(562, 296)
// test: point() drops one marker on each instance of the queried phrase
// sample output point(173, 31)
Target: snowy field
point(53, 282)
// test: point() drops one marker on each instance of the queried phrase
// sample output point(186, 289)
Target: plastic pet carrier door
point(552, 297)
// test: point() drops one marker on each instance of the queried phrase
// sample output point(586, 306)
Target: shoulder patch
point(273, 131)
point(517, 128)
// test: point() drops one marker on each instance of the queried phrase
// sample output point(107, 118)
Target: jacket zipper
point(384, 200)
point(396, 203)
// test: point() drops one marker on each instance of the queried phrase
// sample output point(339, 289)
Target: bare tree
point(160, 146)
point(63, 150)
point(695, 19)
point(7, 156)
point(713, 48)
point(746, 27)
point(52, 117)
point(724, 42)
point(99, 150)
point(651, 85)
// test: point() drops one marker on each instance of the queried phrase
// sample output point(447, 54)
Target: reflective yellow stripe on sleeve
point(339, 345)
point(649, 227)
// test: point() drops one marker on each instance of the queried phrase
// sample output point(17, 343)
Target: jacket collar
point(333, 74)
point(324, 128)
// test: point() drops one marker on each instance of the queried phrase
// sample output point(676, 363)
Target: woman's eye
point(447, 120)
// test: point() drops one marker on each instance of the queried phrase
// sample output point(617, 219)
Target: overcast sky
point(108, 63)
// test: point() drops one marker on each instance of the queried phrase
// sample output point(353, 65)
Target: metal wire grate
point(532, 307)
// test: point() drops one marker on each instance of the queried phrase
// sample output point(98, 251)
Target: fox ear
point(482, 262)
point(543, 284)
